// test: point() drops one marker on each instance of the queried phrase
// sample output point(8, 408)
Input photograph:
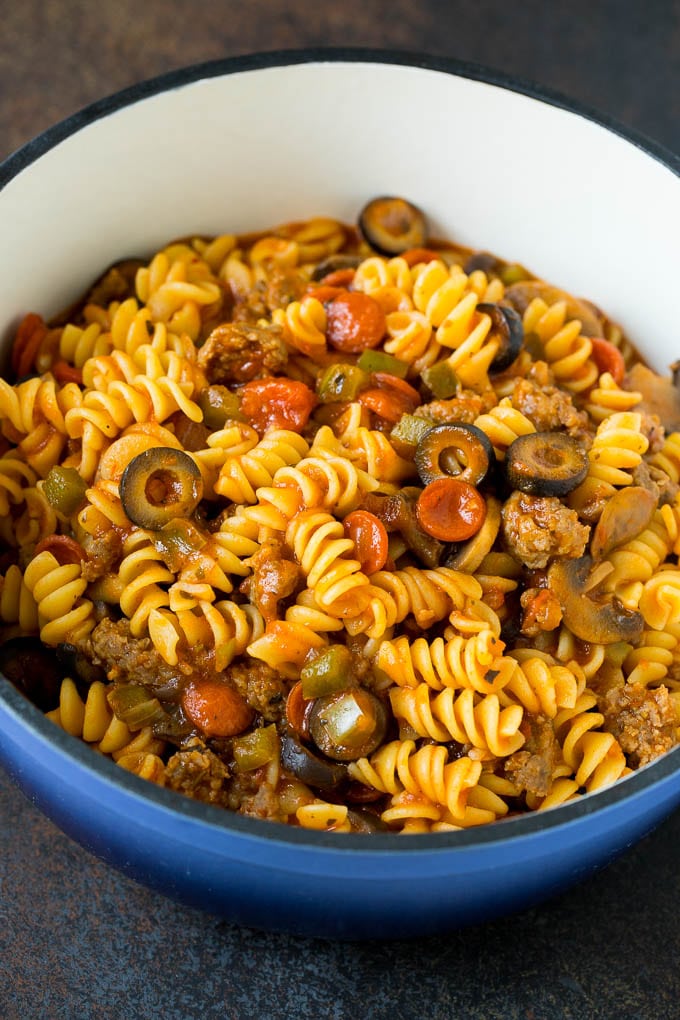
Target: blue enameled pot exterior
point(349, 887)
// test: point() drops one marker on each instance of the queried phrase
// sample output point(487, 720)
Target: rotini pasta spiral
point(17, 604)
point(15, 477)
point(303, 324)
point(635, 561)
point(595, 757)
point(476, 663)
point(425, 772)
point(76, 345)
point(331, 482)
point(94, 722)
point(175, 290)
point(63, 614)
point(542, 687)
point(608, 398)
point(566, 350)
point(668, 457)
point(240, 476)
point(617, 449)
point(450, 304)
point(375, 273)
point(660, 598)
point(142, 573)
point(650, 662)
point(224, 626)
point(321, 548)
point(503, 425)
point(462, 716)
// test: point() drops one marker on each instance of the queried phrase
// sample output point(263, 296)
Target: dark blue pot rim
point(33, 721)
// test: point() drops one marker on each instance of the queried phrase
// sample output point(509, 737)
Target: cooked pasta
point(345, 540)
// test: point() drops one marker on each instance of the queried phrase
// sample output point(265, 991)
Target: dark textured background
point(79, 941)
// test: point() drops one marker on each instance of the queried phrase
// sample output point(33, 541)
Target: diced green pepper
point(513, 273)
point(396, 546)
point(410, 429)
point(219, 405)
point(134, 705)
point(64, 489)
point(178, 541)
point(379, 361)
point(255, 749)
point(441, 379)
point(329, 672)
point(341, 382)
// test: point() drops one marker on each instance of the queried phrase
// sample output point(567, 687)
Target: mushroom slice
point(599, 622)
point(660, 394)
point(625, 515)
point(468, 556)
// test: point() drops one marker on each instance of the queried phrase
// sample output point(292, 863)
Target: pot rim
point(191, 73)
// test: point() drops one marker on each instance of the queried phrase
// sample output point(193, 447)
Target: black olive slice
point(348, 725)
point(309, 767)
point(34, 669)
point(333, 263)
point(507, 326)
point(392, 225)
point(77, 665)
point(159, 485)
point(546, 464)
point(362, 820)
point(454, 448)
point(483, 260)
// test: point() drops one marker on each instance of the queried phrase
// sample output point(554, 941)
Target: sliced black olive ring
point(333, 263)
point(34, 669)
point(392, 225)
point(507, 326)
point(309, 767)
point(454, 449)
point(159, 485)
point(546, 464)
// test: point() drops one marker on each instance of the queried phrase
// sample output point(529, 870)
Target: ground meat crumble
point(197, 772)
point(549, 408)
point(642, 721)
point(239, 352)
point(531, 769)
point(536, 528)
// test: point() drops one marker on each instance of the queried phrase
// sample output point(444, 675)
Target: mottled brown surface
point(78, 940)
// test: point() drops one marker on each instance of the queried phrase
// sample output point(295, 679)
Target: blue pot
point(617, 190)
